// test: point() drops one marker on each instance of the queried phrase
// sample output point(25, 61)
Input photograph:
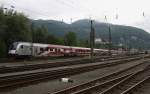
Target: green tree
point(2, 24)
point(83, 43)
point(18, 28)
point(3, 51)
point(13, 27)
point(51, 39)
point(39, 35)
point(70, 39)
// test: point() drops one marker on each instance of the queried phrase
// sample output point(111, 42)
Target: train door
point(35, 51)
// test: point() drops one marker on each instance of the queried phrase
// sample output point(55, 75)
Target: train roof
point(48, 45)
point(30, 43)
point(52, 45)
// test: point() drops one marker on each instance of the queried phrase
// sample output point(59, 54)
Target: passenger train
point(39, 50)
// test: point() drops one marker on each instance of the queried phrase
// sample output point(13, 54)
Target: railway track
point(55, 64)
point(123, 86)
point(134, 89)
point(22, 78)
point(102, 82)
point(27, 67)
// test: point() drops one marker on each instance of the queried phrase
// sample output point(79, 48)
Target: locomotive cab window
point(13, 46)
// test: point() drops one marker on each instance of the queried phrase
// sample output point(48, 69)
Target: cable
point(29, 10)
point(64, 3)
point(70, 4)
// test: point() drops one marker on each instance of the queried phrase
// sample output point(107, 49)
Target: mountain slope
point(127, 35)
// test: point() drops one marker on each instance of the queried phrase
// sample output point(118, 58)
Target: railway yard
point(106, 75)
point(74, 47)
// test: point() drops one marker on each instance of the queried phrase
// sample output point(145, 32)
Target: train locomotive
point(27, 49)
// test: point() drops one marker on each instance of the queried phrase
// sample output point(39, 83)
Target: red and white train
point(39, 50)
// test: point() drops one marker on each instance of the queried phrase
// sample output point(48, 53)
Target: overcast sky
point(129, 12)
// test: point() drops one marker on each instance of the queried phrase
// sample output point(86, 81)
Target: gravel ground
point(21, 63)
point(55, 85)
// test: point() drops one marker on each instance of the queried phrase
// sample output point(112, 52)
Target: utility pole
point(92, 38)
point(110, 44)
point(109, 40)
point(32, 35)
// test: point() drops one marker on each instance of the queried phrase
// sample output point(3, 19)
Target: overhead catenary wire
point(36, 12)
point(74, 5)
point(71, 4)
point(25, 9)
point(65, 4)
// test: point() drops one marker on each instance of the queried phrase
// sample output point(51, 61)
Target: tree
point(18, 28)
point(3, 51)
point(83, 43)
point(51, 39)
point(70, 39)
point(39, 34)
point(13, 27)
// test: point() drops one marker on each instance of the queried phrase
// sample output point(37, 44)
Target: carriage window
point(41, 49)
point(51, 49)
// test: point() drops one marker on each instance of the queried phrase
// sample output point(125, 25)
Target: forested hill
point(131, 36)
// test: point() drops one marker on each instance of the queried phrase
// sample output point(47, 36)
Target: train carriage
point(40, 50)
